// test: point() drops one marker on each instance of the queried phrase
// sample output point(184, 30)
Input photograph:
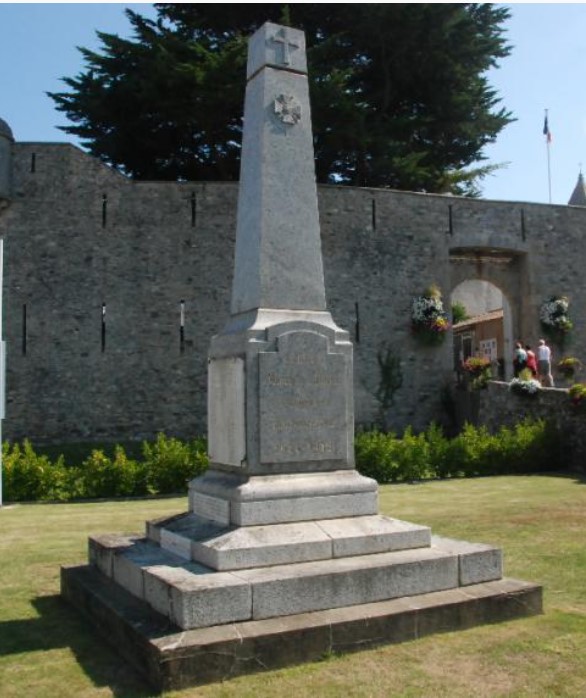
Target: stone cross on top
point(277, 47)
point(287, 43)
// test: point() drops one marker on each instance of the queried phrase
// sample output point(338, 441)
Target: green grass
point(48, 650)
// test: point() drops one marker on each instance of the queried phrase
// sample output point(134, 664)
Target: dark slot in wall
point(103, 328)
point(181, 326)
point(24, 329)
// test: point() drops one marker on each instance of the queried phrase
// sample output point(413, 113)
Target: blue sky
point(545, 71)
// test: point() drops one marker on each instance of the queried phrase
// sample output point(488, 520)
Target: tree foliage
point(399, 92)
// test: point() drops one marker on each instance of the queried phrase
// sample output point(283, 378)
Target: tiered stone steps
point(328, 567)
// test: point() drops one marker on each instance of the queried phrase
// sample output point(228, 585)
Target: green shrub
point(168, 464)
point(414, 457)
point(376, 455)
point(101, 476)
point(29, 476)
point(527, 447)
point(171, 463)
point(166, 467)
point(387, 458)
point(441, 453)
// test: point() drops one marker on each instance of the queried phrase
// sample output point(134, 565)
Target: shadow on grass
point(58, 627)
point(578, 477)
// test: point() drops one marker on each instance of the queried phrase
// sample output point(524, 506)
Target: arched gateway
point(496, 318)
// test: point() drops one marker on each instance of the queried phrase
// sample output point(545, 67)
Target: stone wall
point(80, 238)
point(498, 406)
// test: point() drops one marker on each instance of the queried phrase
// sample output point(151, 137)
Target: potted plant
point(569, 367)
point(578, 396)
point(478, 370)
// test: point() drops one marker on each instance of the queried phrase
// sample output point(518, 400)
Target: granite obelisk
point(280, 374)
point(282, 556)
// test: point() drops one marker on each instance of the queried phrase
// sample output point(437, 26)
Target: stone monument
point(282, 555)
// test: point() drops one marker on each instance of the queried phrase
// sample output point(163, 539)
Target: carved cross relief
point(281, 38)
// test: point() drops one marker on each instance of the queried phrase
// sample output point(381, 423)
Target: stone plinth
point(174, 659)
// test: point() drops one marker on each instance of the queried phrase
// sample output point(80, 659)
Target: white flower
point(554, 313)
point(530, 387)
point(425, 310)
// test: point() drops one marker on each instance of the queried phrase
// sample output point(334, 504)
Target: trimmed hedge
point(168, 464)
point(165, 468)
point(531, 446)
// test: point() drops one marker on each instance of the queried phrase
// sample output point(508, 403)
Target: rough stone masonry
point(158, 257)
point(282, 546)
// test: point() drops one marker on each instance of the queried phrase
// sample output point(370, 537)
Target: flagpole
point(547, 133)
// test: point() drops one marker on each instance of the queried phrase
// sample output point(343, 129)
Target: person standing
point(544, 364)
point(531, 360)
point(519, 359)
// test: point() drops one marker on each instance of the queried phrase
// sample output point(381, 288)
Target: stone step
point(194, 596)
point(229, 548)
point(171, 659)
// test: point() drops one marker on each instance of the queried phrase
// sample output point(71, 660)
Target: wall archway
point(492, 276)
point(488, 330)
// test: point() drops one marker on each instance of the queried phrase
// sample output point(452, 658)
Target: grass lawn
point(47, 650)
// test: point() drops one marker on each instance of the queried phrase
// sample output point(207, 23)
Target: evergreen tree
point(399, 92)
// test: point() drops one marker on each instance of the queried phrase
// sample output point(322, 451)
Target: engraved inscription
point(211, 508)
point(303, 401)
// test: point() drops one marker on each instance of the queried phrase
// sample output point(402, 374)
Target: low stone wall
point(500, 407)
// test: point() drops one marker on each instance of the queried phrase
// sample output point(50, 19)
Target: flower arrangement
point(525, 384)
point(478, 370)
point(429, 320)
point(554, 317)
point(569, 366)
point(476, 365)
point(578, 395)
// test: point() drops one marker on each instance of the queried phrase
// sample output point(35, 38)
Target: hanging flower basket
point(429, 320)
point(555, 319)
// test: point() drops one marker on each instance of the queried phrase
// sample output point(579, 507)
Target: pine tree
point(399, 92)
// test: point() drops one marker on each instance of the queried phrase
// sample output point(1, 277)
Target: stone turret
point(6, 141)
point(578, 197)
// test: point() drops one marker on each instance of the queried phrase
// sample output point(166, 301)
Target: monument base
point(232, 499)
point(172, 659)
point(195, 601)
